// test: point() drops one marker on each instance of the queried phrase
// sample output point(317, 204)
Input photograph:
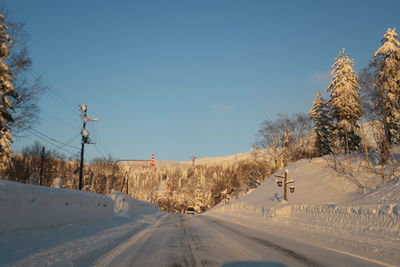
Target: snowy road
point(163, 240)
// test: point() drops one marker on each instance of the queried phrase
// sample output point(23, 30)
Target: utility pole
point(85, 140)
point(193, 159)
point(41, 166)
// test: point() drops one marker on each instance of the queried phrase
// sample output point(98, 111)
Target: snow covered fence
point(126, 206)
point(25, 206)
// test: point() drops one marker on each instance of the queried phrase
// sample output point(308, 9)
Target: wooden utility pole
point(41, 166)
point(193, 159)
point(285, 183)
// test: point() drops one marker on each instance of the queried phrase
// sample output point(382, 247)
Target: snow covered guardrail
point(25, 206)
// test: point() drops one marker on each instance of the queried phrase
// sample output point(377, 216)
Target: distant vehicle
point(190, 210)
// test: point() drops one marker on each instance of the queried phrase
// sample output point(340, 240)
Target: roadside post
point(285, 182)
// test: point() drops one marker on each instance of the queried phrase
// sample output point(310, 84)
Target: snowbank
point(376, 221)
point(25, 206)
point(126, 206)
point(323, 203)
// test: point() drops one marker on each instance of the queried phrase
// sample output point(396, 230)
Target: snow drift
point(25, 206)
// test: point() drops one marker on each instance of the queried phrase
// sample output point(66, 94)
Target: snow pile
point(322, 202)
point(25, 206)
point(126, 206)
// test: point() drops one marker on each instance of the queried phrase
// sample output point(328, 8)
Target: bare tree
point(288, 138)
point(367, 78)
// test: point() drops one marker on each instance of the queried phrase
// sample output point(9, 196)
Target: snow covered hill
point(327, 205)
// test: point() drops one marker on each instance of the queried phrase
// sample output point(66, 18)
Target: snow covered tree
point(322, 126)
point(345, 101)
point(27, 86)
point(6, 91)
point(387, 63)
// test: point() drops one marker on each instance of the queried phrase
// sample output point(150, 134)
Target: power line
point(73, 139)
point(52, 139)
point(58, 99)
point(98, 150)
point(60, 121)
point(54, 93)
point(45, 140)
point(60, 94)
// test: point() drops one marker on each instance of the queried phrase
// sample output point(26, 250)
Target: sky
point(183, 78)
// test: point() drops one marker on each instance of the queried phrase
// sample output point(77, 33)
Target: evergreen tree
point(6, 90)
point(387, 64)
point(322, 126)
point(345, 101)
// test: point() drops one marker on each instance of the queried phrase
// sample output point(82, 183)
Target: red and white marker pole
point(152, 160)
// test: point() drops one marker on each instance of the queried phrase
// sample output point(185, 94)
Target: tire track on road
point(189, 257)
point(266, 243)
point(190, 238)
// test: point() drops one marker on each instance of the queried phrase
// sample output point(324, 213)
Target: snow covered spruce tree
point(387, 64)
point(345, 101)
point(322, 126)
point(6, 91)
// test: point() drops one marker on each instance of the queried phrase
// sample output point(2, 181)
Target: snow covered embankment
point(323, 202)
point(369, 220)
point(126, 206)
point(25, 206)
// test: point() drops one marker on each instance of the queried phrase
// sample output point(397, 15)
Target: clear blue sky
point(183, 78)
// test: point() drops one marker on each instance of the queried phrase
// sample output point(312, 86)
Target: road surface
point(165, 240)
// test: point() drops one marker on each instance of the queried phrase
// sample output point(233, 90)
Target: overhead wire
point(55, 145)
point(98, 150)
point(53, 92)
point(62, 99)
point(73, 139)
point(52, 139)
point(60, 94)
point(68, 103)
point(60, 121)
